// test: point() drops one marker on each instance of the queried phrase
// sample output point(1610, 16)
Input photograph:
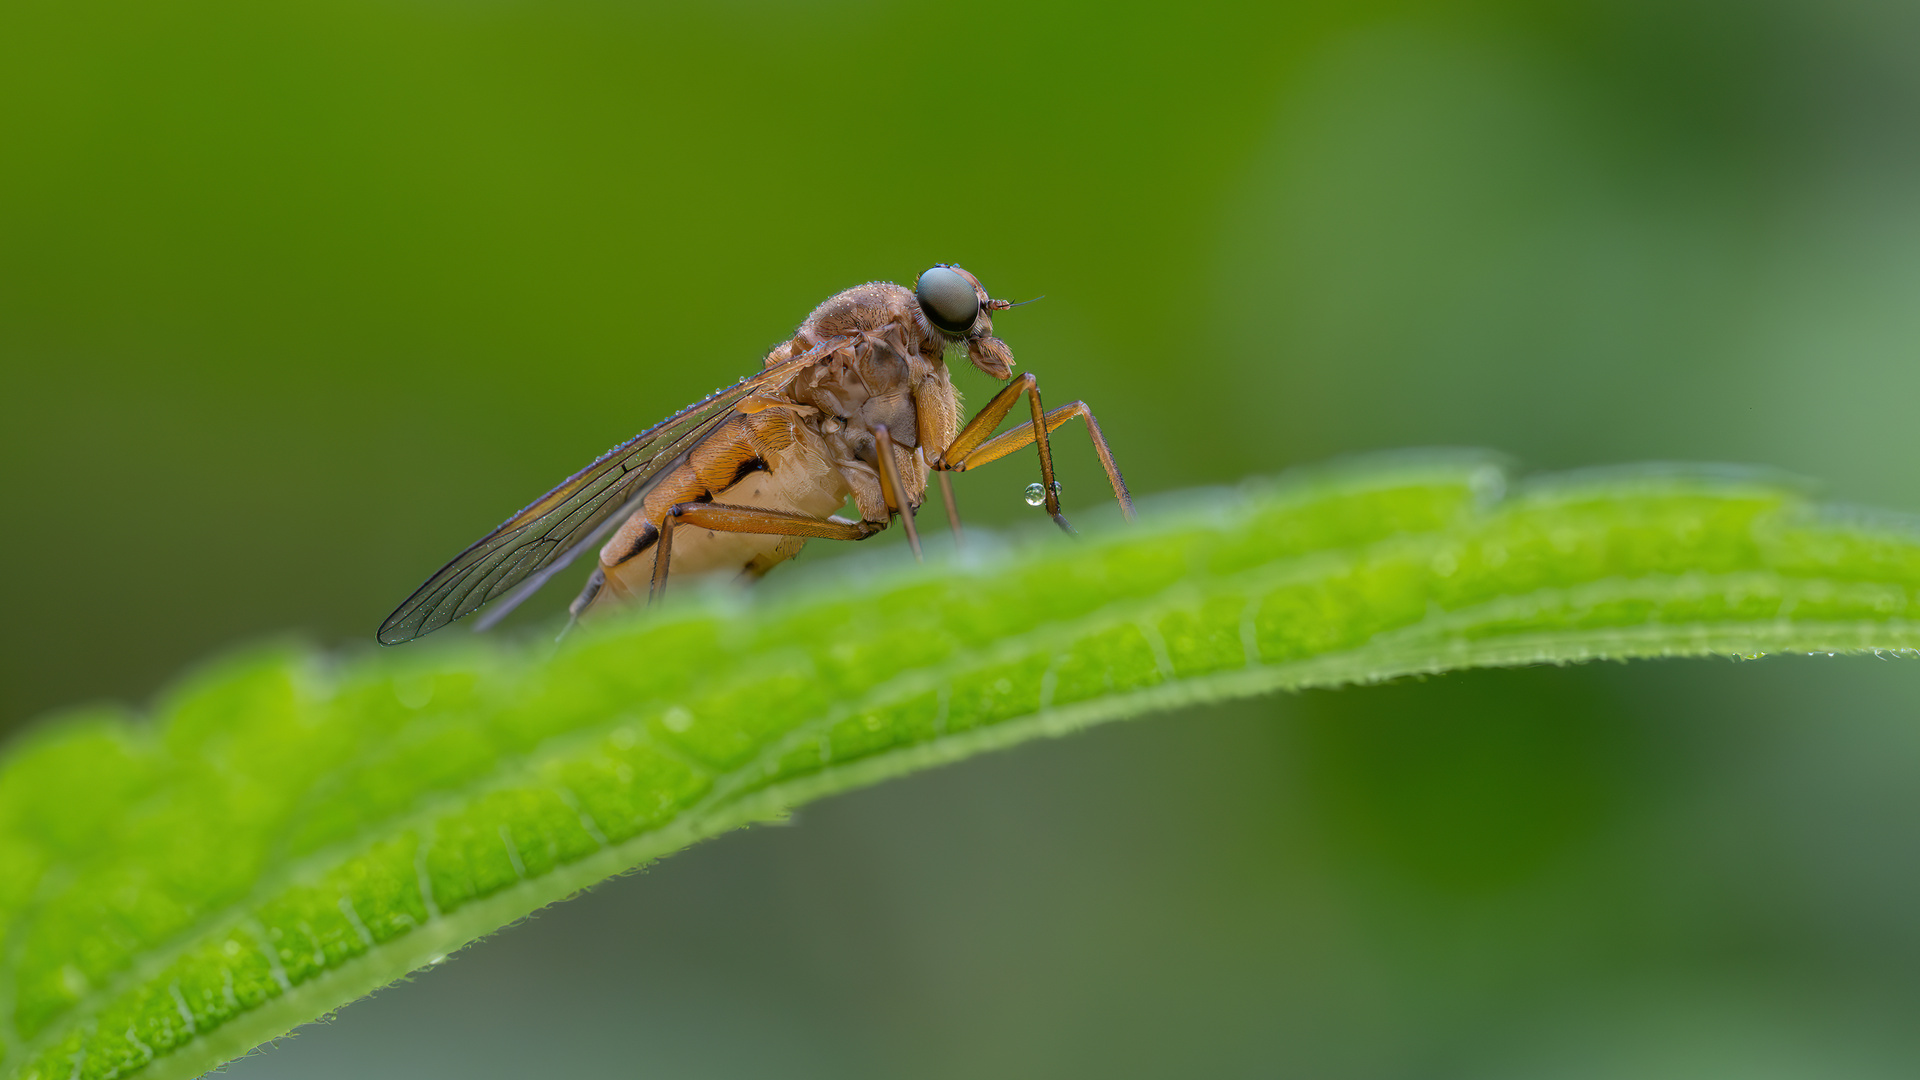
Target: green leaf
point(291, 830)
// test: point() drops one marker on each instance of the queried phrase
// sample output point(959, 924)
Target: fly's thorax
point(877, 361)
point(864, 309)
point(847, 399)
point(862, 387)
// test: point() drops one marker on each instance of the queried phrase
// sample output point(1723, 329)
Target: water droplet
point(1037, 494)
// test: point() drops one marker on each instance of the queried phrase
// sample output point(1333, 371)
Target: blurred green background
point(296, 300)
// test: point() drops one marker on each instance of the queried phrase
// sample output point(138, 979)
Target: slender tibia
point(953, 511)
point(894, 491)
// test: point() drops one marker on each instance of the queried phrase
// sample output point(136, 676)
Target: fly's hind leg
point(972, 447)
point(721, 517)
point(595, 582)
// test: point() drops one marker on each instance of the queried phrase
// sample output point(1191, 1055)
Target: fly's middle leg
point(891, 488)
point(946, 497)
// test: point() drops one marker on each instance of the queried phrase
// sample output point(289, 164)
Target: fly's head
point(959, 309)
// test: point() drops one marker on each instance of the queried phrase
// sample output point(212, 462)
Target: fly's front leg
point(1002, 445)
point(972, 447)
point(936, 412)
point(745, 519)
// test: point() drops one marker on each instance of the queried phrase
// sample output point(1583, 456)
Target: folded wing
point(560, 524)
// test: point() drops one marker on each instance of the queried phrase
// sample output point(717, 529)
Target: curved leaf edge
point(433, 944)
point(1388, 656)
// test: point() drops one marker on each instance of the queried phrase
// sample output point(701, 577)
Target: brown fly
point(858, 404)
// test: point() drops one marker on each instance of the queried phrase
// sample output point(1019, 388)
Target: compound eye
point(948, 300)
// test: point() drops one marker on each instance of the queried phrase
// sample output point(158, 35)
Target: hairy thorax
point(805, 446)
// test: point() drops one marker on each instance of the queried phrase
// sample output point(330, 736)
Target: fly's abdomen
point(764, 459)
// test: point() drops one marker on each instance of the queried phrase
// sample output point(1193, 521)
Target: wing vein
point(552, 530)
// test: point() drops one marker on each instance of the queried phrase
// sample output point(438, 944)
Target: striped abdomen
point(769, 459)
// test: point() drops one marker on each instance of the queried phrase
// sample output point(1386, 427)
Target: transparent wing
point(561, 523)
